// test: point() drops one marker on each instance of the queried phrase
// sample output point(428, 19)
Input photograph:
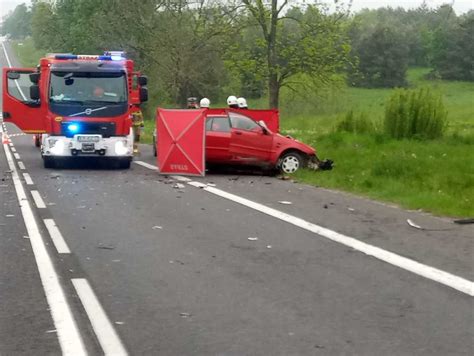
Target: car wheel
point(290, 162)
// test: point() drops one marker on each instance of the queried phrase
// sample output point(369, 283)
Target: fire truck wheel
point(37, 141)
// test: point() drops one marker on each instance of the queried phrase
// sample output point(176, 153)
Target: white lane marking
point(146, 165)
point(10, 65)
point(69, 337)
point(38, 200)
point(14, 150)
point(17, 156)
point(103, 328)
point(463, 285)
point(21, 165)
point(28, 179)
point(448, 279)
point(181, 178)
point(56, 236)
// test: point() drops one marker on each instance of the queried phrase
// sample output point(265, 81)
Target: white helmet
point(232, 100)
point(204, 103)
point(242, 103)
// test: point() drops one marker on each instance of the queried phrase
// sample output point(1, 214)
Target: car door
point(249, 142)
point(217, 139)
point(18, 107)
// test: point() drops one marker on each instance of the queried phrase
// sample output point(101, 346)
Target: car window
point(242, 122)
point(208, 123)
point(220, 124)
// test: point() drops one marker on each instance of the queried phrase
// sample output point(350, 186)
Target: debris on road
point(284, 202)
point(351, 209)
point(106, 247)
point(464, 221)
point(284, 177)
point(252, 238)
point(120, 322)
point(156, 227)
point(9, 216)
point(412, 224)
point(325, 206)
point(179, 186)
point(51, 331)
point(185, 315)
point(269, 246)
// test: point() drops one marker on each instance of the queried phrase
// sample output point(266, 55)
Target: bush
point(354, 123)
point(415, 114)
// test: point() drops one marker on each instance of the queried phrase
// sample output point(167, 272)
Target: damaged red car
point(233, 138)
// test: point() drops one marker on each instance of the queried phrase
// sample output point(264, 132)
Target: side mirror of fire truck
point(143, 94)
point(34, 92)
point(34, 78)
point(142, 80)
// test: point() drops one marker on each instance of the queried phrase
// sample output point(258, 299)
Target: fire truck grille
point(106, 129)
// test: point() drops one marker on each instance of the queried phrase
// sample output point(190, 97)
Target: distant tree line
point(253, 47)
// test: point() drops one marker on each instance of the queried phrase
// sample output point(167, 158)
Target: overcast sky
point(460, 6)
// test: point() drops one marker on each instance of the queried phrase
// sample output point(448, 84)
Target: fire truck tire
point(37, 141)
point(49, 162)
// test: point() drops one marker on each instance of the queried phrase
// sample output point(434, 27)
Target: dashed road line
point(21, 165)
point(17, 156)
point(434, 274)
point(70, 339)
point(28, 179)
point(103, 328)
point(56, 236)
point(13, 149)
point(38, 200)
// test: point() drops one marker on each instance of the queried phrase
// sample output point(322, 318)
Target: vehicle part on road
point(464, 221)
point(412, 224)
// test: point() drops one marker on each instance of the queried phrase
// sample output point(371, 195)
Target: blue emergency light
point(73, 128)
point(107, 56)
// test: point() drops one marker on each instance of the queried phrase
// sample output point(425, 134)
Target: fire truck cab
point(81, 105)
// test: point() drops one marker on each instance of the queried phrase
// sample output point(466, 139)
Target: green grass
point(436, 176)
point(26, 52)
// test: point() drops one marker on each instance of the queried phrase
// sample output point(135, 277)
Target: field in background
point(435, 176)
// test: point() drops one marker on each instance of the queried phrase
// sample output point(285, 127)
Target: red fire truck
point(79, 105)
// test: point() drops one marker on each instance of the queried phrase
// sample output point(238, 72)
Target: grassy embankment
point(436, 176)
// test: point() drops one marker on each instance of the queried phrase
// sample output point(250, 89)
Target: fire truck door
point(19, 107)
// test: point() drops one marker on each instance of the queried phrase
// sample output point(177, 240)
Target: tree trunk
point(273, 91)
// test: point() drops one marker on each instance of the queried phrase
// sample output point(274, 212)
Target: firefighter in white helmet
point(205, 103)
point(242, 103)
point(232, 102)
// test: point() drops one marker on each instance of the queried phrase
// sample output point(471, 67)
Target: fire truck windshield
point(72, 92)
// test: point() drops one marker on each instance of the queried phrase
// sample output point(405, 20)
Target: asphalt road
point(175, 273)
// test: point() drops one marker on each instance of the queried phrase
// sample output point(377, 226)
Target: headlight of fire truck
point(57, 147)
point(121, 148)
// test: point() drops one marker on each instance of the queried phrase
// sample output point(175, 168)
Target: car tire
point(290, 162)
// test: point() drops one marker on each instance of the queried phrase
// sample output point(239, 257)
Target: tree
point(17, 23)
point(382, 56)
point(293, 43)
point(453, 49)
